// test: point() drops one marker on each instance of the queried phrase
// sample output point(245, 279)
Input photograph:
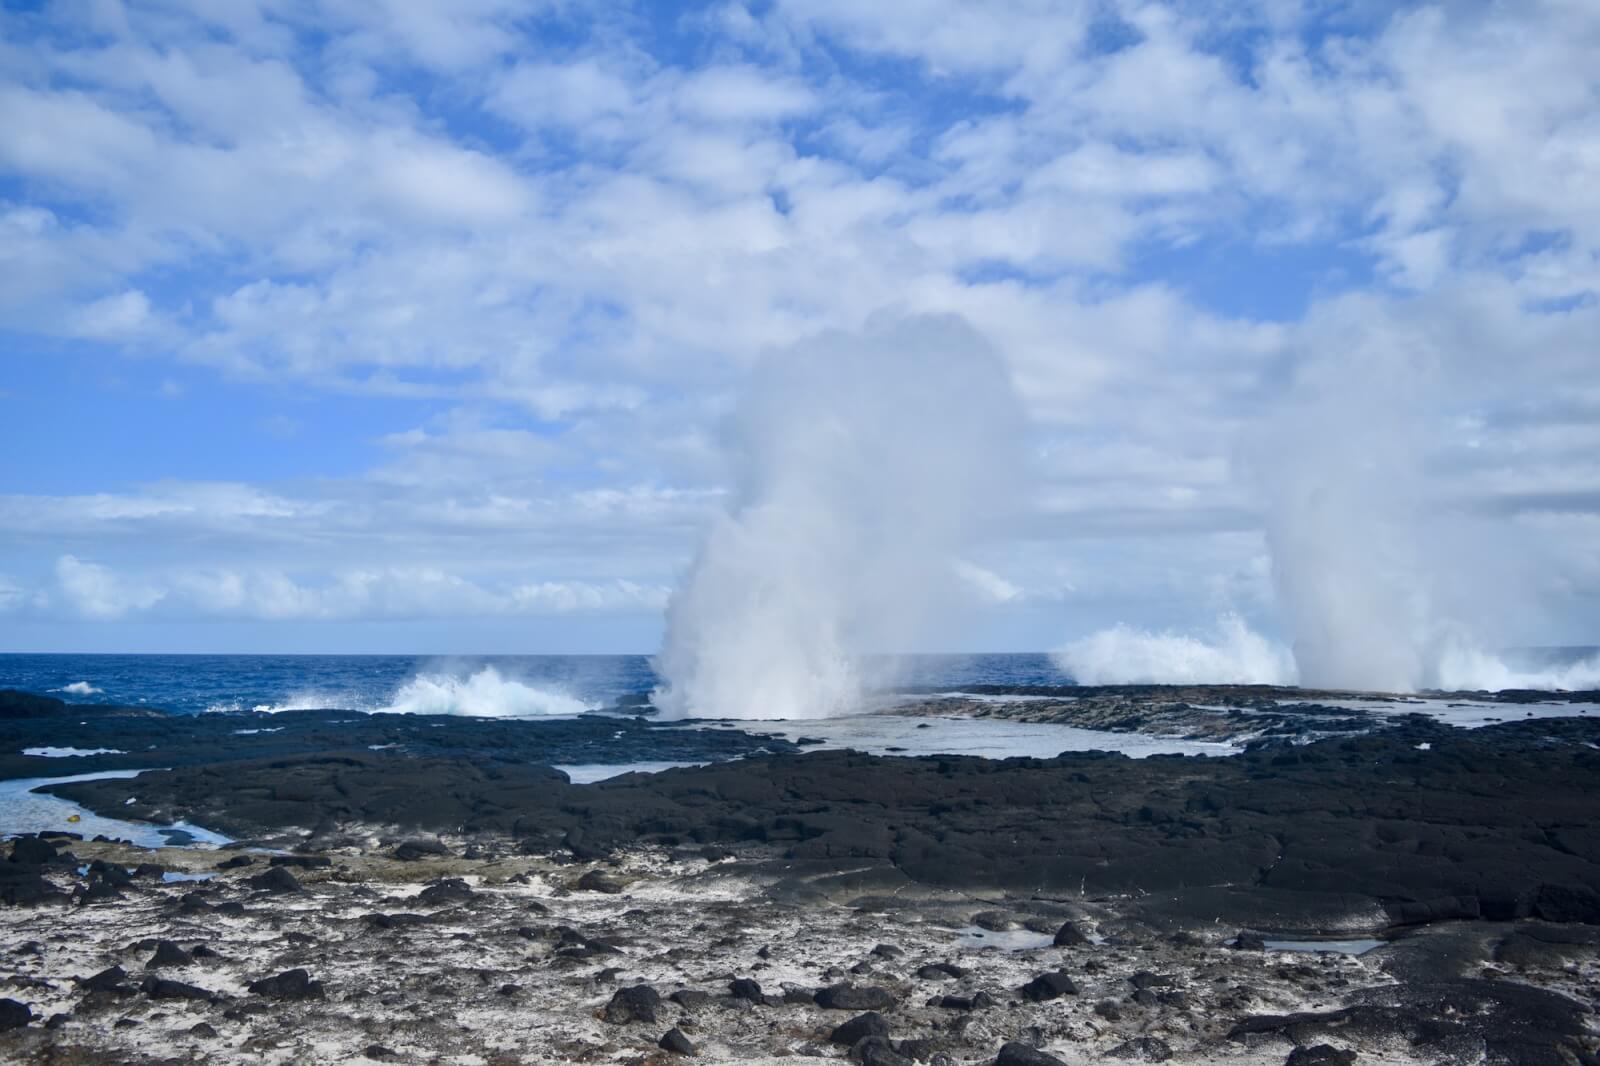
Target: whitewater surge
point(484, 693)
point(1234, 654)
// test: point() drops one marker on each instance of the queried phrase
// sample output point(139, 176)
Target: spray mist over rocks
point(863, 464)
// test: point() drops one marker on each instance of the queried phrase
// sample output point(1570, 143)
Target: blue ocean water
point(511, 685)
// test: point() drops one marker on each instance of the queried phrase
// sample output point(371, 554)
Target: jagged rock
point(302, 862)
point(600, 881)
point(32, 851)
point(107, 980)
point(877, 1051)
point(861, 1026)
point(1015, 1054)
point(941, 971)
point(236, 862)
point(290, 984)
point(855, 997)
point(675, 1042)
point(637, 1003)
point(169, 954)
point(276, 879)
point(1320, 1055)
point(1142, 1049)
point(445, 890)
point(1069, 935)
point(203, 1030)
point(746, 989)
point(14, 1015)
point(413, 850)
point(690, 998)
point(164, 988)
point(1049, 986)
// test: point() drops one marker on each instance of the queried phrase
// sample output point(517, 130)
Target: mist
point(862, 466)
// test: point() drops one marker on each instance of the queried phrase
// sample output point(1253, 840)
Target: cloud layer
point(436, 311)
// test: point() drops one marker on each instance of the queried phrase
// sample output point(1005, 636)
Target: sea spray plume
point(863, 464)
point(1234, 654)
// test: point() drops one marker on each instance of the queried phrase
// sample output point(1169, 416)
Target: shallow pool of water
point(23, 810)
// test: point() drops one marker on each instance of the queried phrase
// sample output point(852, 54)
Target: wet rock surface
point(823, 906)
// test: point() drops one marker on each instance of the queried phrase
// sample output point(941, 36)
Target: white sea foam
point(79, 688)
point(1232, 653)
point(1465, 669)
point(484, 693)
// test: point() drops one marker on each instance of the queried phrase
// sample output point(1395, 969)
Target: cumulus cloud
point(563, 237)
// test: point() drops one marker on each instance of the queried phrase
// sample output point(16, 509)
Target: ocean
point(519, 685)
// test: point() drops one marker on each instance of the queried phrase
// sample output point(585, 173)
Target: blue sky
point(409, 326)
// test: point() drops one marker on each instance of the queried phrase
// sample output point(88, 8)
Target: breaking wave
point(485, 693)
point(1467, 669)
point(1233, 654)
point(79, 688)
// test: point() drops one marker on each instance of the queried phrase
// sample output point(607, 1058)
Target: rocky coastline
point(1411, 893)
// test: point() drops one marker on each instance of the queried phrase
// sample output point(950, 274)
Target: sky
point(350, 326)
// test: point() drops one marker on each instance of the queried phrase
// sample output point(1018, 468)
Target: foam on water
point(888, 734)
point(485, 693)
point(1233, 654)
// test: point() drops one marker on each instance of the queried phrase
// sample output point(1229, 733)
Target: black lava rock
point(1069, 935)
point(862, 1025)
point(1320, 1055)
point(600, 881)
point(855, 997)
point(290, 984)
point(675, 1042)
point(163, 988)
point(14, 1015)
point(236, 862)
point(277, 879)
point(203, 1030)
point(1015, 1054)
point(1142, 1049)
point(107, 980)
point(302, 862)
point(445, 890)
point(877, 1051)
point(32, 851)
point(169, 954)
point(746, 989)
point(690, 998)
point(637, 1003)
point(1049, 986)
point(412, 850)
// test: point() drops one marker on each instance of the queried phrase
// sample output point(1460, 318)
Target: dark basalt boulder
point(22, 885)
point(690, 998)
point(301, 862)
point(393, 921)
point(1015, 1054)
point(290, 984)
point(1142, 1049)
point(14, 1015)
point(1320, 1055)
point(1069, 936)
point(169, 954)
point(32, 851)
point(276, 879)
point(858, 1028)
point(855, 997)
point(877, 1051)
point(674, 1041)
point(236, 862)
point(637, 1003)
point(165, 988)
point(413, 850)
point(744, 988)
point(445, 890)
point(600, 881)
point(108, 980)
point(1049, 986)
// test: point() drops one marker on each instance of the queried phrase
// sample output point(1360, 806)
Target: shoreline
point(1472, 855)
